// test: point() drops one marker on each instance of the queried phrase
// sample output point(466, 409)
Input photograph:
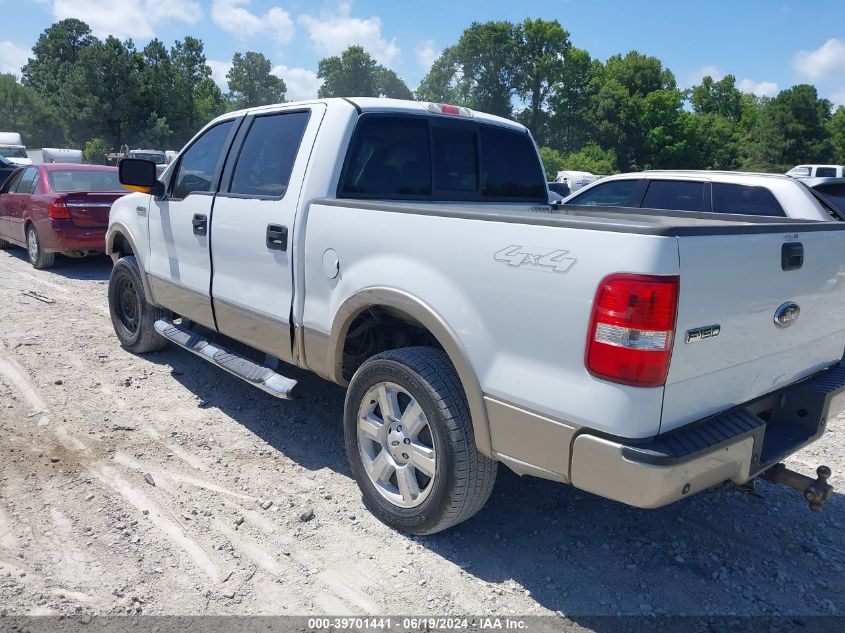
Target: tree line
point(626, 113)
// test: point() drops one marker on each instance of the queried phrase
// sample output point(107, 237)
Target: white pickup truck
point(407, 250)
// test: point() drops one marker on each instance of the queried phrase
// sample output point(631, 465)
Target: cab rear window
point(426, 158)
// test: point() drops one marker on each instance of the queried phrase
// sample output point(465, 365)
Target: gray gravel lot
point(161, 485)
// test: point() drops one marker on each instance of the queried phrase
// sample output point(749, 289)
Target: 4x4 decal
point(548, 260)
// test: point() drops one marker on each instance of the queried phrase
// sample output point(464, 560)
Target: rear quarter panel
point(523, 325)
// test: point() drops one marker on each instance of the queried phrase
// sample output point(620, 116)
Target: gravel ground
point(161, 485)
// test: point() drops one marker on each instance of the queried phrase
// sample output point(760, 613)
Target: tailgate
point(90, 210)
point(728, 347)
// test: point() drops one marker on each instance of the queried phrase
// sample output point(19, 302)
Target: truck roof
point(374, 104)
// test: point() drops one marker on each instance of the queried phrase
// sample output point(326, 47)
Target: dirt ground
point(87, 428)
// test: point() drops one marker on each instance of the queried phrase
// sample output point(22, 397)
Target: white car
point(817, 171)
point(407, 251)
point(730, 193)
point(13, 149)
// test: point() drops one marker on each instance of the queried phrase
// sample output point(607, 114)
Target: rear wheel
point(37, 257)
point(132, 316)
point(410, 442)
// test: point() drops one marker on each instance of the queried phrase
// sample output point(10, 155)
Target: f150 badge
point(547, 260)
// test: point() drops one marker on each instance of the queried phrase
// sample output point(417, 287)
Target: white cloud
point(838, 98)
point(332, 32)
point(133, 18)
point(826, 62)
point(759, 88)
point(426, 54)
point(301, 83)
point(12, 58)
point(234, 17)
point(219, 70)
point(694, 77)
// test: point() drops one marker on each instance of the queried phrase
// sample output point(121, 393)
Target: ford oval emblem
point(787, 314)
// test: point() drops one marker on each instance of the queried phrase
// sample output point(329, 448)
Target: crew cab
point(408, 251)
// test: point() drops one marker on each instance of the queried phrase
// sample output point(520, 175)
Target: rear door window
point(614, 193)
point(266, 159)
point(674, 195)
point(28, 180)
point(745, 200)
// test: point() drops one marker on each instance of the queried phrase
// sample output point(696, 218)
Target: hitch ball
point(816, 492)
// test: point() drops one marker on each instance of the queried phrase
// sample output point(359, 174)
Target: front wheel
point(37, 257)
point(132, 316)
point(410, 442)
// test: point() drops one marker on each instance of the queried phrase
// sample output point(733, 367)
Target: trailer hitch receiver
point(815, 491)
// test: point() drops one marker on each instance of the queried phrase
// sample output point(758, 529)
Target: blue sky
point(768, 45)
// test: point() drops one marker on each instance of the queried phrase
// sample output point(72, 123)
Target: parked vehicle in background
point(817, 171)
point(560, 188)
point(57, 208)
point(732, 193)
point(12, 148)
point(7, 168)
point(55, 155)
point(171, 155)
point(832, 189)
point(407, 250)
point(575, 180)
point(157, 157)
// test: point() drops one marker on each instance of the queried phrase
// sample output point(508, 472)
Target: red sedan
point(57, 208)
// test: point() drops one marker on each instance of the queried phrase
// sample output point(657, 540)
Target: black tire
point(132, 316)
point(37, 257)
point(463, 478)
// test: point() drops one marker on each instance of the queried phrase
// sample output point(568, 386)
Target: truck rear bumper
point(736, 446)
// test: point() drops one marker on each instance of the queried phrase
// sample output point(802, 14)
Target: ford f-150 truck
point(407, 251)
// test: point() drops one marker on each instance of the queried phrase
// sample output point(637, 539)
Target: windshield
point(13, 152)
point(64, 180)
point(158, 159)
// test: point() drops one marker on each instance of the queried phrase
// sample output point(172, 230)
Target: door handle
point(277, 237)
point(200, 223)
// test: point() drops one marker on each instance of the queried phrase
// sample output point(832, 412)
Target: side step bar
point(262, 377)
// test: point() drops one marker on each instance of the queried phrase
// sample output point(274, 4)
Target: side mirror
point(139, 175)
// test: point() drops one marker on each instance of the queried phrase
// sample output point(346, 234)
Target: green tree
point(571, 101)
point(542, 50)
point(553, 162)
point(95, 151)
point(621, 117)
point(209, 101)
point(836, 128)
point(593, 159)
point(480, 71)
point(354, 73)
point(251, 83)
point(104, 93)
point(717, 97)
point(792, 128)
point(55, 54)
point(155, 134)
point(190, 72)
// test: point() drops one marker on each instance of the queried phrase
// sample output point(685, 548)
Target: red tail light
point(58, 210)
point(632, 328)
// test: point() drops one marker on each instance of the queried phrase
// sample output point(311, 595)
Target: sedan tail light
point(58, 210)
point(632, 329)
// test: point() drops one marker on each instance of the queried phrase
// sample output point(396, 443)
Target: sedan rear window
point(64, 180)
point(427, 158)
point(614, 193)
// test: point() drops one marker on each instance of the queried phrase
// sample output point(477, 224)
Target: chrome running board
point(262, 377)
